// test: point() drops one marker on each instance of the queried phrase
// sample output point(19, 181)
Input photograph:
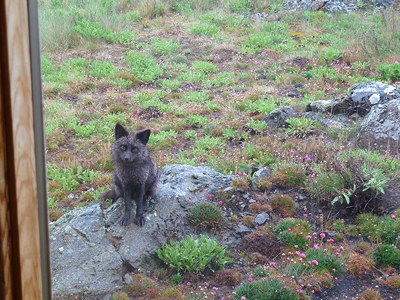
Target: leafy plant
point(301, 127)
point(387, 255)
point(319, 260)
point(206, 215)
point(195, 255)
point(293, 232)
point(143, 66)
point(205, 29)
point(197, 121)
point(164, 47)
point(389, 71)
point(382, 229)
point(268, 289)
point(283, 204)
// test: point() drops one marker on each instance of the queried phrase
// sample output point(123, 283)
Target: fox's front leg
point(128, 206)
point(139, 219)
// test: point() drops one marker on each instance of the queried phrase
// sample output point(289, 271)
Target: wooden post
point(23, 246)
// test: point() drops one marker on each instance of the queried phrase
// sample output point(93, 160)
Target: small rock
point(242, 229)
point(252, 201)
point(127, 278)
point(261, 218)
point(61, 249)
point(259, 175)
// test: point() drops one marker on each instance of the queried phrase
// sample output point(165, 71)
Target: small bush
point(368, 294)
point(143, 66)
point(386, 256)
point(301, 127)
point(393, 281)
point(227, 277)
point(195, 255)
point(325, 261)
point(206, 215)
point(141, 286)
point(293, 232)
point(283, 204)
point(171, 293)
point(268, 289)
point(288, 175)
point(359, 265)
point(164, 47)
point(389, 71)
point(263, 243)
point(382, 229)
point(120, 296)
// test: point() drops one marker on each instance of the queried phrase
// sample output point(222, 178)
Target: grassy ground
point(202, 77)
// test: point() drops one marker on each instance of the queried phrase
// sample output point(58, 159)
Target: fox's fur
point(135, 176)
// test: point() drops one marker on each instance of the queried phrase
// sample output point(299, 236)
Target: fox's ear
point(120, 131)
point(143, 136)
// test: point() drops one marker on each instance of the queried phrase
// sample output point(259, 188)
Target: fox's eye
point(123, 147)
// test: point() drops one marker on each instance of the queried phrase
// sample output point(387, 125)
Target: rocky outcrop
point(278, 117)
point(380, 129)
point(91, 252)
point(337, 5)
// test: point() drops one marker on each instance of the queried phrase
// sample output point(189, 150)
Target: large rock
point(360, 99)
point(336, 5)
point(278, 117)
point(91, 253)
point(363, 96)
point(380, 129)
point(334, 106)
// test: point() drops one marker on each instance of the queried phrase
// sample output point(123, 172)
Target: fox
point(135, 176)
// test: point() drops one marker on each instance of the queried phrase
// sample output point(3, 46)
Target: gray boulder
point(91, 253)
point(360, 99)
point(260, 175)
point(278, 117)
point(380, 129)
point(334, 106)
point(333, 6)
point(333, 121)
point(363, 96)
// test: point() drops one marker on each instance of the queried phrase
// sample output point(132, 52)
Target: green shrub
point(389, 71)
point(204, 66)
point(382, 229)
point(319, 260)
point(324, 186)
point(240, 6)
point(330, 54)
point(206, 215)
point(197, 121)
point(293, 232)
point(301, 127)
point(143, 66)
point(164, 47)
point(102, 69)
point(195, 255)
point(268, 289)
point(275, 36)
point(205, 29)
point(387, 255)
point(283, 204)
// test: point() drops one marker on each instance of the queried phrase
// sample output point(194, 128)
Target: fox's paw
point(125, 220)
point(140, 220)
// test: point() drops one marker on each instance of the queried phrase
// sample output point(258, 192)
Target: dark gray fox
point(135, 176)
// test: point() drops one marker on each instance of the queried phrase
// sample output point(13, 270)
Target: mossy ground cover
point(202, 76)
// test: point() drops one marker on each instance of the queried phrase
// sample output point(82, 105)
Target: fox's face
point(129, 146)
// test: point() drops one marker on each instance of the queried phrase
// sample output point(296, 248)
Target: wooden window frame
point(24, 244)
